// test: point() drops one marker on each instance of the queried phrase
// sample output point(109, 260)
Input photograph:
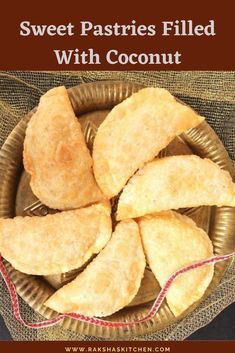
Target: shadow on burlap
point(212, 94)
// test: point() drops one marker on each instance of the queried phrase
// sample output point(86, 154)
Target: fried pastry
point(172, 241)
point(176, 182)
point(110, 281)
point(134, 132)
point(56, 155)
point(55, 243)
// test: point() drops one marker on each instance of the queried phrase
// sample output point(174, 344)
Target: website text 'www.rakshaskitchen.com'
point(156, 349)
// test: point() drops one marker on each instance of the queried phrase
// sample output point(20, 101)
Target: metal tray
point(91, 103)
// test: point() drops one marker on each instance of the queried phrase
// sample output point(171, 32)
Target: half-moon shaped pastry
point(56, 155)
point(176, 182)
point(55, 243)
point(110, 281)
point(172, 241)
point(134, 132)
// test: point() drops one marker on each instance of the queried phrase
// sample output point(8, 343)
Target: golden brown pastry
point(172, 241)
point(134, 132)
point(176, 182)
point(55, 243)
point(110, 281)
point(56, 155)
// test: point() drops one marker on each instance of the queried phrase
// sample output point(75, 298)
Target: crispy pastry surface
point(110, 281)
point(55, 243)
point(134, 132)
point(172, 241)
point(56, 156)
point(176, 182)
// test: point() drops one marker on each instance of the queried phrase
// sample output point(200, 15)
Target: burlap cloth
point(212, 94)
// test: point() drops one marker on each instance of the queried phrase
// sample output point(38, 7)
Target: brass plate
point(91, 103)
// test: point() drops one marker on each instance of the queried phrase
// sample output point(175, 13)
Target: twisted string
point(100, 322)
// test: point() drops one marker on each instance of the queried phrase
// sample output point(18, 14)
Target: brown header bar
point(119, 347)
point(179, 35)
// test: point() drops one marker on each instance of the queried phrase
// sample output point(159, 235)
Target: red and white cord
point(100, 322)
